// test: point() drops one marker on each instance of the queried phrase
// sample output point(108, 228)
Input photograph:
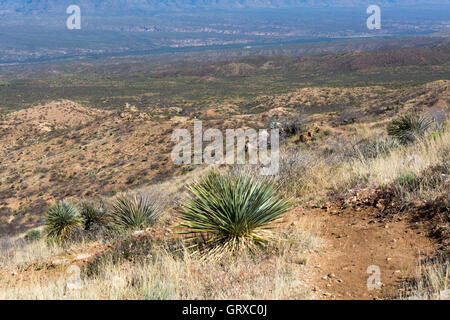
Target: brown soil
point(357, 239)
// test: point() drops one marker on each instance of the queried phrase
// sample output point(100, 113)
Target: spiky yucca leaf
point(61, 219)
point(134, 211)
point(233, 212)
point(94, 213)
point(408, 127)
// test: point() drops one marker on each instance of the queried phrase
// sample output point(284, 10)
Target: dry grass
point(16, 252)
point(431, 281)
point(276, 273)
point(304, 173)
point(169, 278)
point(382, 171)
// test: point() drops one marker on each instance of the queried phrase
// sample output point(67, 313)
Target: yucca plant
point(134, 211)
point(231, 212)
point(408, 127)
point(93, 213)
point(61, 220)
point(33, 235)
point(380, 147)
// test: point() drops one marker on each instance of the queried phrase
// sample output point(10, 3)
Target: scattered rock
point(58, 262)
point(444, 295)
point(83, 256)
point(138, 232)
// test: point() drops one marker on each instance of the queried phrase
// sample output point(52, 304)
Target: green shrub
point(407, 128)
point(61, 220)
point(94, 213)
point(131, 179)
point(379, 148)
point(406, 179)
point(33, 235)
point(439, 130)
point(232, 212)
point(134, 211)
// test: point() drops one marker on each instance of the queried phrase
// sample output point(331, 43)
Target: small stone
point(138, 232)
point(59, 261)
point(444, 294)
point(83, 256)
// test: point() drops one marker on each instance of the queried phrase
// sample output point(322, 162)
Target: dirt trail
point(357, 239)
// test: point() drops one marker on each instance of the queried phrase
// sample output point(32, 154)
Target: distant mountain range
point(133, 6)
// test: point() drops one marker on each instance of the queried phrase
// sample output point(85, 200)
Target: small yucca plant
point(378, 148)
point(134, 211)
point(33, 235)
point(408, 127)
point(231, 212)
point(94, 213)
point(61, 220)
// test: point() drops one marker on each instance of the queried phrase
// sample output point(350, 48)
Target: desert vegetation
point(229, 211)
point(92, 207)
point(61, 220)
point(147, 265)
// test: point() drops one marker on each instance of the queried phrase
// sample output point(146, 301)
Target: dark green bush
point(408, 128)
point(134, 211)
point(33, 235)
point(94, 213)
point(61, 220)
point(231, 212)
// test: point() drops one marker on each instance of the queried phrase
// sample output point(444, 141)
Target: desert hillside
point(64, 150)
point(93, 205)
point(359, 198)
